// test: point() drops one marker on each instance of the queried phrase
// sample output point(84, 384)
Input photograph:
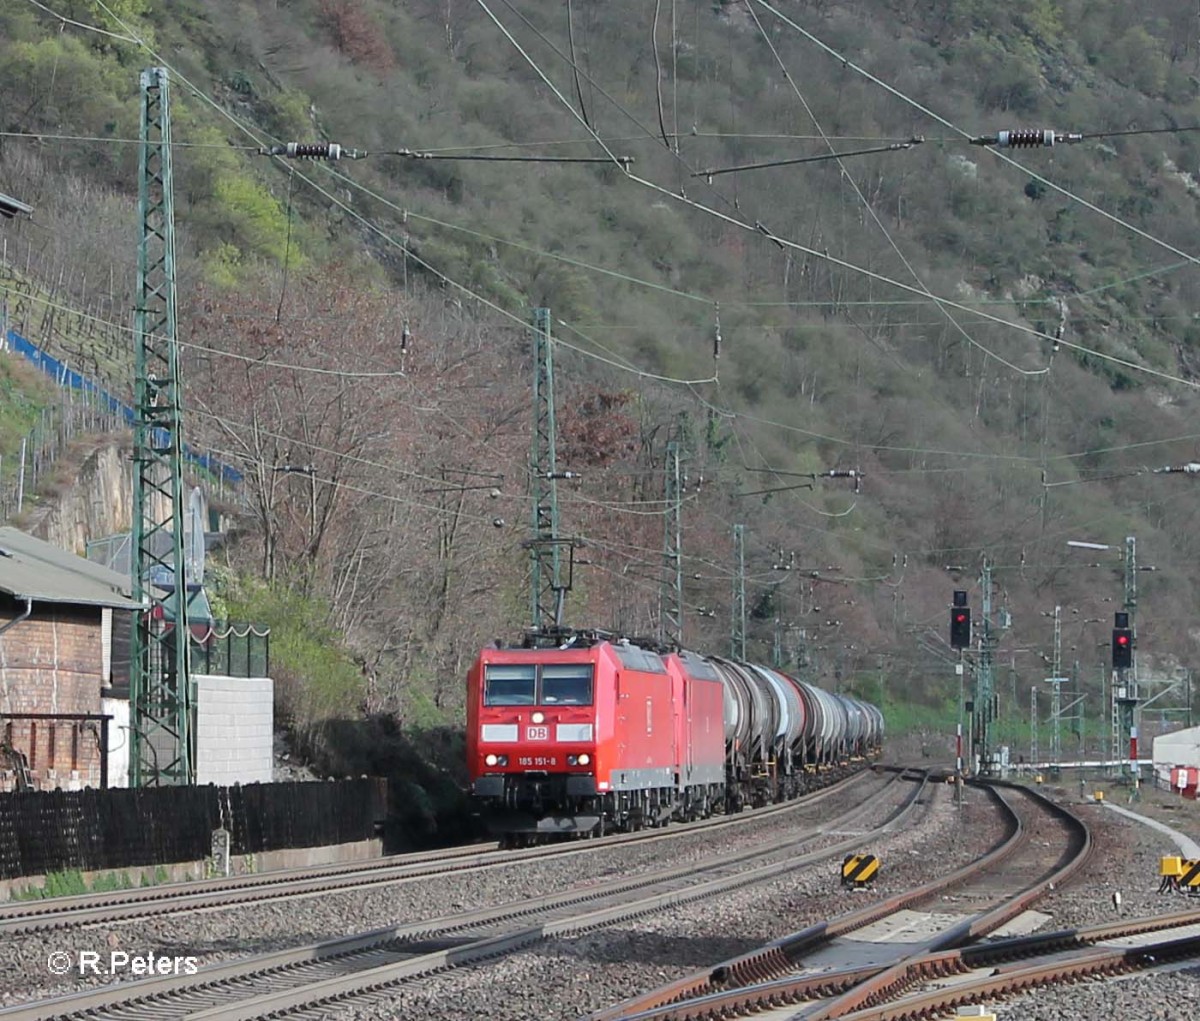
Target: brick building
point(56, 637)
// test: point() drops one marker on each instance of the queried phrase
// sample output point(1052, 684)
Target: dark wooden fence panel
point(56, 831)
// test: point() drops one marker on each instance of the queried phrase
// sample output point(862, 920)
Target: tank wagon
point(604, 734)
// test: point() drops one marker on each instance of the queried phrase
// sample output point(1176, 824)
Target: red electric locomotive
point(595, 735)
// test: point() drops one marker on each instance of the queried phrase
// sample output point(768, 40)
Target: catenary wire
point(759, 228)
point(785, 426)
point(724, 412)
point(870, 209)
point(1065, 192)
point(658, 188)
point(79, 24)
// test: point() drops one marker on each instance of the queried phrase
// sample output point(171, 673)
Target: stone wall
point(98, 503)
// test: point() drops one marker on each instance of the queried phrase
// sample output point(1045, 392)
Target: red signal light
point(1122, 648)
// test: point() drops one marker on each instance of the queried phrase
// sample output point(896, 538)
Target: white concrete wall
point(234, 729)
point(118, 740)
point(1180, 748)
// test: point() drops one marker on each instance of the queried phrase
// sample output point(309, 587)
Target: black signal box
point(960, 621)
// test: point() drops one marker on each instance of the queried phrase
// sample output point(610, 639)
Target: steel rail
point(25, 917)
point(931, 967)
point(464, 949)
point(888, 983)
point(1006, 982)
point(756, 977)
point(388, 975)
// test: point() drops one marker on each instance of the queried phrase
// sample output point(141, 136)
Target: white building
point(1177, 759)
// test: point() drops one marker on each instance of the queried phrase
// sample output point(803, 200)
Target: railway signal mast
point(960, 639)
point(985, 687)
point(1125, 691)
point(1123, 709)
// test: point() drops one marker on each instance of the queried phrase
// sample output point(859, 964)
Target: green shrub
point(315, 677)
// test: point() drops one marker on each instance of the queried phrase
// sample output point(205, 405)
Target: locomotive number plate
point(537, 760)
point(537, 733)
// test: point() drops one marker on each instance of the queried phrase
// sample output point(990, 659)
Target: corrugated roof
point(33, 569)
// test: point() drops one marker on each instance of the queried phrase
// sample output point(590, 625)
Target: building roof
point(33, 569)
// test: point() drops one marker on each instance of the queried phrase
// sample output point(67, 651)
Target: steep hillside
point(365, 319)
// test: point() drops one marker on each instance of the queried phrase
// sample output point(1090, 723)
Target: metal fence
point(74, 415)
point(232, 650)
point(89, 355)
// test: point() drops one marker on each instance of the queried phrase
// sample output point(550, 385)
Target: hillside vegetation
point(366, 320)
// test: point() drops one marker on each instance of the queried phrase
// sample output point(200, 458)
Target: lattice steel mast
point(160, 682)
point(546, 589)
point(737, 640)
point(671, 592)
point(985, 708)
point(1125, 687)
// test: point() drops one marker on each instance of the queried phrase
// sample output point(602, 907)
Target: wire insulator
point(1025, 139)
point(311, 151)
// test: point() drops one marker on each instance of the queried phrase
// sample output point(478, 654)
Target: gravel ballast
point(571, 977)
point(221, 934)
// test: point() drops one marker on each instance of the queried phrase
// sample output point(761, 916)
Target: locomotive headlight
point(491, 760)
point(504, 760)
point(538, 717)
point(584, 759)
point(572, 760)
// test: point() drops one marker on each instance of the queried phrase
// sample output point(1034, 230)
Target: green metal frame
point(985, 675)
point(160, 684)
point(671, 593)
point(546, 588)
point(737, 638)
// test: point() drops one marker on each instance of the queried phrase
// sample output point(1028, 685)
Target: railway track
point(1044, 845)
point(19, 918)
point(302, 980)
point(1004, 968)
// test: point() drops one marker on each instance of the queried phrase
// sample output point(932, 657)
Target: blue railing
point(68, 378)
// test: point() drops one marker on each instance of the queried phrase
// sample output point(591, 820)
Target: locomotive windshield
point(510, 684)
point(567, 684)
point(526, 684)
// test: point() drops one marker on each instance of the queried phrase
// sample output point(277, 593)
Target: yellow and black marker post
point(1170, 869)
point(1189, 877)
point(859, 870)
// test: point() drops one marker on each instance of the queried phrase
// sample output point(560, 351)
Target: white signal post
point(958, 743)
